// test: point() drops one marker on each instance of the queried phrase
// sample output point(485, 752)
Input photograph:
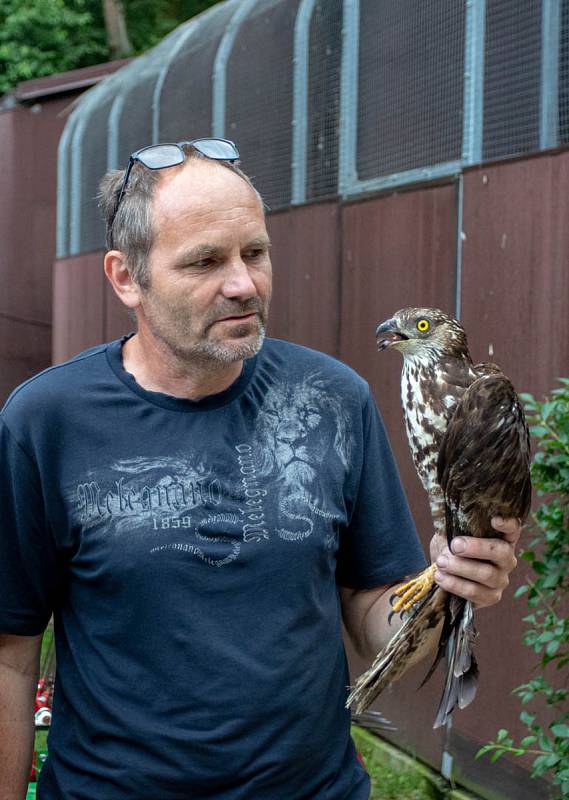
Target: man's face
point(209, 267)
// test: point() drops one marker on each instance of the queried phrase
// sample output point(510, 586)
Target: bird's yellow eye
point(423, 325)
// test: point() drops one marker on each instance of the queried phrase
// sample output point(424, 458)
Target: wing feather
point(483, 469)
point(484, 458)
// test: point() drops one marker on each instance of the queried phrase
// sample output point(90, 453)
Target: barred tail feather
point(461, 680)
point(391, 662)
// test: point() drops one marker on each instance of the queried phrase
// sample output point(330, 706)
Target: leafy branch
point(44, 37)
point(546, 596)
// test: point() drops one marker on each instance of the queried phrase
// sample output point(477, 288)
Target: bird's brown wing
point(483, 469)
point(484, 459)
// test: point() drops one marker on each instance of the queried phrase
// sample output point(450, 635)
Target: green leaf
point(561, 730)
point(552, 648)
point(538, 431)
point(521, 590)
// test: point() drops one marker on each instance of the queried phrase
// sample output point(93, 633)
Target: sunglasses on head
point(161, 156)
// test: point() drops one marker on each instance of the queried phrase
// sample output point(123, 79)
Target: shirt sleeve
point(380, 545)
point(28, 562)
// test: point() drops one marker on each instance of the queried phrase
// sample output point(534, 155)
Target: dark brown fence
point(32, 119)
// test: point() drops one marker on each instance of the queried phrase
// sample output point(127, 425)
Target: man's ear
point(120, 279)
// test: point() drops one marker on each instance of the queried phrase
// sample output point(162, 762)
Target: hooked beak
point(386, 334)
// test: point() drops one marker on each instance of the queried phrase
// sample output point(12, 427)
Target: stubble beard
point(229, 352)
point(208, 351)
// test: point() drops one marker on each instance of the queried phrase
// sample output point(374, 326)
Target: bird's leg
point(414, 590)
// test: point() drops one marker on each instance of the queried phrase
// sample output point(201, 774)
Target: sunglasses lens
point(161, 155)
point(217, 148)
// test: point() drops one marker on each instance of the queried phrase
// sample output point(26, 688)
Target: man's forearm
point(378, 630)
point(366, 615)
point(19, 667)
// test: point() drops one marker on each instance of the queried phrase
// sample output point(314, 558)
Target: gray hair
point(132, 230)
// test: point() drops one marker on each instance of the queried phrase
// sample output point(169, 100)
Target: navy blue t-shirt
point(190, 553)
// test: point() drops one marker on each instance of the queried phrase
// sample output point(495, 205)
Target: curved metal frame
point(300, 67)
point(220, 66)
point(83, 115)
point(63, 190)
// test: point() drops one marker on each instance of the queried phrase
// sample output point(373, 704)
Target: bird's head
point(417, 332)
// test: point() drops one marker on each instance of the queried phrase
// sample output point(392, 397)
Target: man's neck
point(158, 371)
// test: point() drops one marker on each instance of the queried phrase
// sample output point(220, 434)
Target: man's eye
point(203, 262)
point(256, 253)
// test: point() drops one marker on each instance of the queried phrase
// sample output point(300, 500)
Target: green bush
point(547, 593)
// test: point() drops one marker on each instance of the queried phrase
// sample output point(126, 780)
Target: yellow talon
point(414, 590)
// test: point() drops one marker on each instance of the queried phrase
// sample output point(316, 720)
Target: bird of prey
point(470, 446)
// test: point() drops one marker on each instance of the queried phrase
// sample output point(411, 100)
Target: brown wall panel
point(78, 303)
point(25, 349)
point(306, 276)
point(28, 165)
point(27, 209)
point(398, 250)
point(515, 281)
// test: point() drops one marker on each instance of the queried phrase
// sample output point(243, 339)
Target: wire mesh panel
point(94, 165)
point(512, 75)
point(328, 97)
point(325, 55)
point(259, 95)
point(98, 133)
point(186, 92)
point(135, 128)
point(563, 117)
point(410, 97)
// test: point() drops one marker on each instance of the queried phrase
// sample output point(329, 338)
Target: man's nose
point(237, 280)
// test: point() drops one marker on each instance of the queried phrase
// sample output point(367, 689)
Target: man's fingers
point(497, 551)
point(483, 573)
point(478, 594)
point(478, 569)
point(510, 528)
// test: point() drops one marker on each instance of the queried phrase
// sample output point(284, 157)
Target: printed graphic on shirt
point(141, 489)
point(283, 478)
point(302, 439)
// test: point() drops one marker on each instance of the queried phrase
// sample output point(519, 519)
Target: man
point(186, 503)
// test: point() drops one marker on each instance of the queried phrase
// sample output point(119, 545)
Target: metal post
point(300, 100)
point(63, 170)
point(220, 65)
point(549, 90)
point(87, 105)
point(113, 127)
point(347, 157)
point(473, 81)
point(459, 241)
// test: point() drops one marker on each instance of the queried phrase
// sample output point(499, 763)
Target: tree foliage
point(43, 37)
point(547, 593)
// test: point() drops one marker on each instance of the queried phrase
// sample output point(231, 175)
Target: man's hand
point(478, 569)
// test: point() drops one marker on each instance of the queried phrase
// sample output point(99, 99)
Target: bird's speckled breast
point(429, 401)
